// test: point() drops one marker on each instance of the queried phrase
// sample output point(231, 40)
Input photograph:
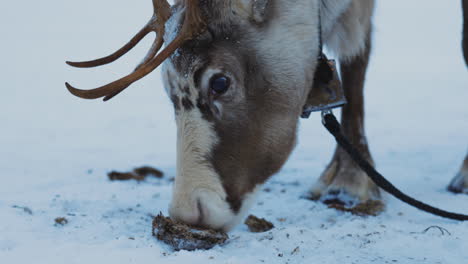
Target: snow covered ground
point(55, 149)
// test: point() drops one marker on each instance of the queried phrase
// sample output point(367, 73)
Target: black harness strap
point(333, 126)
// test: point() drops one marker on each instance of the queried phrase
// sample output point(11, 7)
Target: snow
point(55, 149)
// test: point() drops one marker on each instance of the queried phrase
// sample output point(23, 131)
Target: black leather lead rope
point(333, 126)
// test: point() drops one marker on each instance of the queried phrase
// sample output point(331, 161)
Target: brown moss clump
point(138, 174)
point(61, 221)
point(149, 172)
point(124, 176)
point(371, 207)
point(182, 237)
point(258, 225)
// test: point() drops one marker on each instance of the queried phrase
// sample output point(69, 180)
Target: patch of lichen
point(138, 174)
point(258, 225)
point(183, 237)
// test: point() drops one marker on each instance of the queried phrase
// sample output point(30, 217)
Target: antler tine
point(159, 15)
point(116, 55)
point(112, 89)
point(159, 4)
point(160, 30)
point(192, 26)
point(194, 23)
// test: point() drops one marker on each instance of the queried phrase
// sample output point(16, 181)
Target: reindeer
point(239, 73)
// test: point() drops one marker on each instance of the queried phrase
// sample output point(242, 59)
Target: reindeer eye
point(219, 84)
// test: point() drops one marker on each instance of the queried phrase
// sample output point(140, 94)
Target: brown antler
point(192, 26)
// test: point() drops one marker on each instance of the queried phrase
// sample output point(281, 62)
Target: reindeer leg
point(343, 184)
point(460, 183)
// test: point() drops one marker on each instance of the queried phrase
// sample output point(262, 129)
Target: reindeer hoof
point(460, 183)
point(340, 200)
point(346, 188)
point(346, 203)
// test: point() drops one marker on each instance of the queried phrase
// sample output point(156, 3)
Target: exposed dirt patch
point(258, 225)
point(61, 221)
point(183, 237)
point(149, 172)
point(124, 176)
point(371, 207)
point(138, 174)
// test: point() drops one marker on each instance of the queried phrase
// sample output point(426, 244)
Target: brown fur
point(256, 127)
point(257, 131)
point(253, 114)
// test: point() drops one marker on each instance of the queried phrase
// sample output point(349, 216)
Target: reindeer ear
point(255, 10)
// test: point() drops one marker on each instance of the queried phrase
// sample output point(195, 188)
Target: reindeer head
point(238, 73)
